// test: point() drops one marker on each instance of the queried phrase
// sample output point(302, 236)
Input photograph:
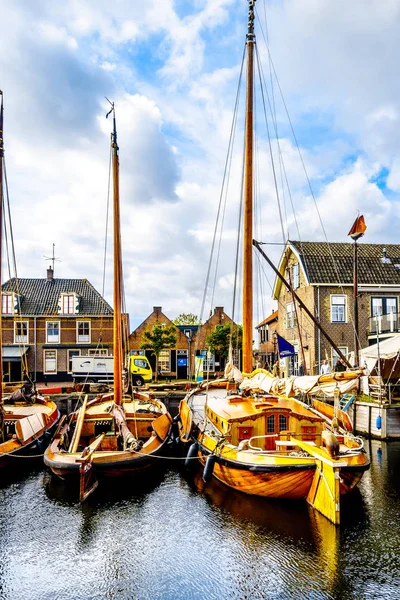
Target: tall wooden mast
point(117, 325)
point(1, 242)
point(248, 203)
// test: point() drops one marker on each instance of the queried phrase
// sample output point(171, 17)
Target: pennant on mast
point(358, 228)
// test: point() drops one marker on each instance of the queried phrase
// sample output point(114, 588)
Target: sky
point(172, 68)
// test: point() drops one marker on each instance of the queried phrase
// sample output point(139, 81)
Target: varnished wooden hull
point(116, 465)
point(14, 454)
point(351, 476)
point(77, 447)
point(270, 481)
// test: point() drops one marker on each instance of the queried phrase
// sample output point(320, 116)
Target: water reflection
point(177, 538)
point(289, 531)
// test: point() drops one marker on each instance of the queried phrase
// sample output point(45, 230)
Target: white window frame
point(68, 302)
point(291, 320)
point(295, 276)
point(45, 362)
point(208, 362)
point(78, 337)
point(7, 303)
point(21, 339)
point(164, 364)
point(335, 356)
point(97, 352)
point(384, 301)
point(77, 352)
point(53, 339)
point(332, 304)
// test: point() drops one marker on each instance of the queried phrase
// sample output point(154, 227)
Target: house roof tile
point(332, 263)
point(41, 296)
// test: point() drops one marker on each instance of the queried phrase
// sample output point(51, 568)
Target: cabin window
point(68, 301)
point(271, 424)
point(70, 354)
point(164, 360)
point(83, 331)
point(50, 362)
point(291, 320)
point(53, 332)
point(282, 423)
point(338, 309)
point(21, 332)
point(8, 304)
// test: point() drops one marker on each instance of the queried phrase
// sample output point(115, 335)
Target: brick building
point(322, 276)
point(178, 362)
point(173, 362)
point(266, 339)
point(45, 322)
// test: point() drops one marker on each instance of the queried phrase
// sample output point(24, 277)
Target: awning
point(13, 353)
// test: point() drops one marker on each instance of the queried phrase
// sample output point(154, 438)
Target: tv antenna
point(53, 258)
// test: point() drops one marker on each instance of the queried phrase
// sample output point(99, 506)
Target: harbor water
point(177, 538)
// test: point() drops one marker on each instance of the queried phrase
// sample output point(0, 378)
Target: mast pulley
point(250, 25)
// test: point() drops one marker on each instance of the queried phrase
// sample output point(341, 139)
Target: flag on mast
point(358, 228)
point(285, 348)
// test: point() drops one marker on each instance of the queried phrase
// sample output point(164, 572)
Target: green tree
point(218, 341)
point(161, 337)
point(187, 319)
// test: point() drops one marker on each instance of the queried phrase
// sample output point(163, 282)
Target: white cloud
point(172, 70)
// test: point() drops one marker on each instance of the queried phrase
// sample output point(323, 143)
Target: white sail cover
point(294, 386)
point(388, 349)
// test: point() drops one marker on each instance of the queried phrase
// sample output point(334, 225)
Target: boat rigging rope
point(12, 270)
point(329, 245)
point(223, 186)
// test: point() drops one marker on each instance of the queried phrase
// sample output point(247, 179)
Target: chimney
point(219, 311)
point(157, 310)
point(385, 259)
point(50, 274)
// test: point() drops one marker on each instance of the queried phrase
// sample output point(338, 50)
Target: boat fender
point(40, 444)
point(330, 442)
point(209, 468)
point(378, 422)
point(47, 435)
point(190, 456)
point(175, 432)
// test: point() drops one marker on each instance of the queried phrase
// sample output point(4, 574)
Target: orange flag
point(358, 228)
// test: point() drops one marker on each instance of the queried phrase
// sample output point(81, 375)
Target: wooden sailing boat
point(257, 442)
point(114, 435)
point(26, 419)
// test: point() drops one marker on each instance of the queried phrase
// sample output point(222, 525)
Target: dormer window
point(8, 304)
point(68, 304)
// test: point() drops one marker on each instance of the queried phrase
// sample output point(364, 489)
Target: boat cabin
point(264, 420)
